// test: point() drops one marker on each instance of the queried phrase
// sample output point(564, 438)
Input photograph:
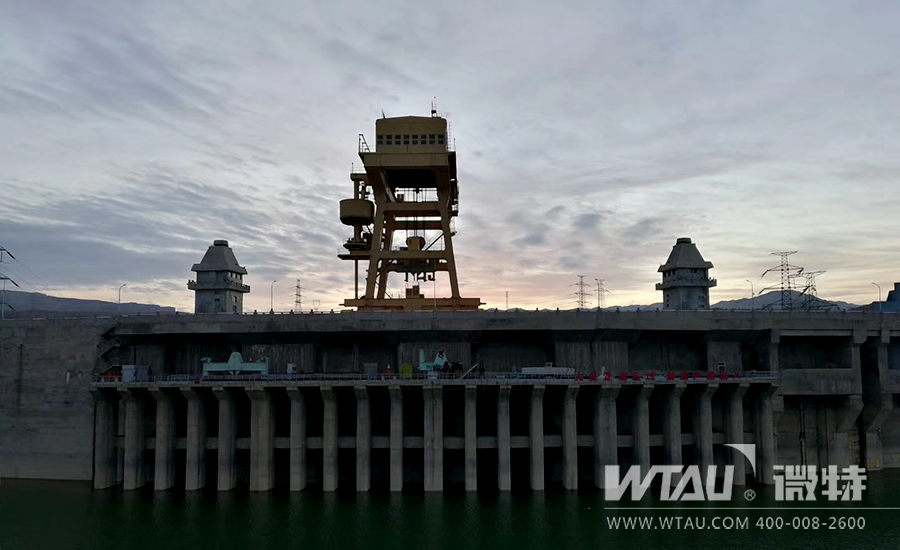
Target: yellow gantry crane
point(411, 176)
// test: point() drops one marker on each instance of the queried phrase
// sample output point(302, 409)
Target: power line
point(4, 278)
point(44, 287)
point(298, 297)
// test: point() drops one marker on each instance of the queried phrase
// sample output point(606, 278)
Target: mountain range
point(35, 304)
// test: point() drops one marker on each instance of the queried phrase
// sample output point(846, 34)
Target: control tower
point(411, 176)
point(686, 280)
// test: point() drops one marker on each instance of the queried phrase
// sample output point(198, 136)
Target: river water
point(63, 515)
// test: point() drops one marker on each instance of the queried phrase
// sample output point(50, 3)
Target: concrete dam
point(334, 411)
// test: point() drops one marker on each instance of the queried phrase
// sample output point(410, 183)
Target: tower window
point(430, 142)
point(431, 136)
point(406, 136)
point(415, 142)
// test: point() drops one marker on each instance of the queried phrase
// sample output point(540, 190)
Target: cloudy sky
point(590, 135)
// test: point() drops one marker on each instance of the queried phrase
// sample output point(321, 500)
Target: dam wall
point(667, 387)
point(47, 369)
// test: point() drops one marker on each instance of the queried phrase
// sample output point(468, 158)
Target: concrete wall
point(724, 352)
point(509, 356)
point(46, 408)
point(667, 351)
point(281, 355)
point(809, 352)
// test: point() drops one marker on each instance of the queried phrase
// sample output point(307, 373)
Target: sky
point(589, 136)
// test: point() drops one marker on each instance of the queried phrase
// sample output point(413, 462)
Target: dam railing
point(442, 377)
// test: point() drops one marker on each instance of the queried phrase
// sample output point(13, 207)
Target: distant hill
point(35, 304)
point(769, 300)
point(772, 300)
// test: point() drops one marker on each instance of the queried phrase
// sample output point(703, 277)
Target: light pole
point(752, 294)
point(120, 297)
point(879, 297)
point(272, 297)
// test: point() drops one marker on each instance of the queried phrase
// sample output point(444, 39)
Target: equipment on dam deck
point(440, 364)
point(549, 371)
point(235, 365)
point(135, 373)
point(411, 176)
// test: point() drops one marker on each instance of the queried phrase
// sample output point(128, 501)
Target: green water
point(61, 515)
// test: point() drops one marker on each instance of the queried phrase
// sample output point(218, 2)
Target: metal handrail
point(422, 375)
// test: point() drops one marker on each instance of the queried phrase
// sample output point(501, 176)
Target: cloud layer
point(590, 135)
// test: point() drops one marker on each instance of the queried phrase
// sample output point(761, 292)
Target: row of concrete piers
point(550, 433)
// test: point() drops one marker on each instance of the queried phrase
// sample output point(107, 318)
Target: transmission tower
point(601, 293)
point(298, 297)
point(809, 294)
point(788, 272)
point(581, 293)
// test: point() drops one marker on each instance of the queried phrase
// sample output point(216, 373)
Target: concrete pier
point(642, 428)
point(226, 473)
point(537, 437)
point(468, 405)
point(363, 439)
point(329, 440)
point(878, 404)
point(765, 437)
point(606, 431)
point(438, 454)
point(845, 421)
point(262, 438)
point(570, 440)
point(734, 430)
point(164, 452)
point(195, 446)
point(396, 441)
point(105, 454)
point(428, 437)
point(470, 440)
point(504, 462)
point(298, 439)
point(703, 432)
point(672, 425)
point(133, 477)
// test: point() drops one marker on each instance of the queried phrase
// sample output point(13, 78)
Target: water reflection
point(71, 515)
